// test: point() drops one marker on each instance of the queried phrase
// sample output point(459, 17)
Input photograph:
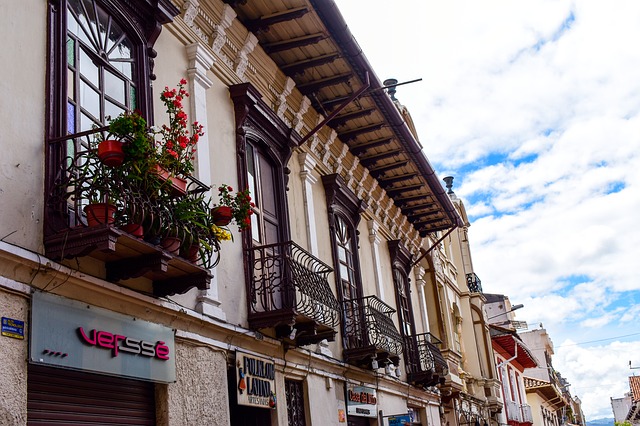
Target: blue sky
point(534, 107)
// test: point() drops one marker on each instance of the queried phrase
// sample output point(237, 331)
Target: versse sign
point(71, 334)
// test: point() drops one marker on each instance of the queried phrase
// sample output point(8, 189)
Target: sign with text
point(256, 379)
point(13, 328)
point(71, 334)
point(361, 401)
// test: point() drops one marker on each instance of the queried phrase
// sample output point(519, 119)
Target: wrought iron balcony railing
point(369, 332)
point(474, 284)
point(76, 177)
point(518, 414)
point(289, 291)
point(527, 415)
point(425, 364)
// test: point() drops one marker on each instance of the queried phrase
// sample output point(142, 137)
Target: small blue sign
point(399, 420)
point(13, 328)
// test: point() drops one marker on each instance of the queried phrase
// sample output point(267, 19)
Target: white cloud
point(534, 108)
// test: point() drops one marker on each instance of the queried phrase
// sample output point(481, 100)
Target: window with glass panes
point(261, 181)
point(100, 67)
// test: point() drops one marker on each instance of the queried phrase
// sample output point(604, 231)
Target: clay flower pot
point(135, 229)
point(100, 214)
point(221, 215)
point(178, 184)
point(171, 244)
point(110, 153)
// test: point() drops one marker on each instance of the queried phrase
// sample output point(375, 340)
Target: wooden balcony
point(288, 291)
point(369, 332)
point(424, 362)
point(142, 262)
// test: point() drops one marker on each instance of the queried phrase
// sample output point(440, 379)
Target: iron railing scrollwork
point(134, 194)
point(474, 283)
point(423, 355)
point(285, 276)
point(368, 321)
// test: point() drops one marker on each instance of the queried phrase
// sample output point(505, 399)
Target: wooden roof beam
point(263, 23)
point(341, 119)
point(369, 161)
point(352, 134)
point(385, 182)
point(363, 147)
point(301, 66)
point(306, 40)
point(393, 192)
point(380, 170)
point(315, 85)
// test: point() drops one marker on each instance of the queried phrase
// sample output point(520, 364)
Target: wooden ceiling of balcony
point(306, 41)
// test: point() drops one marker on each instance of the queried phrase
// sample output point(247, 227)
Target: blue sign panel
point(12, 328)
point(399, 420)
point(71, 334)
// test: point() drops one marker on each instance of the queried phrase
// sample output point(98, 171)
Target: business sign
point(71, 334)
point(400, 420)
point(361, 401)
point(256, 379)
point(13, 328)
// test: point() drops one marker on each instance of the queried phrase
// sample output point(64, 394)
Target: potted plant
point(230, 207)
point(97, 187)
point(176, 146)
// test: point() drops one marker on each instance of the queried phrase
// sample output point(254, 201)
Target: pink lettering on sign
point(118, 343)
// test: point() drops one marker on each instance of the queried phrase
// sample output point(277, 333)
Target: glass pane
point(112, 110)
point(344, 272)
point(103, 24)
point(89, 99)
point(251, 171)
point(71, 118)
point(81, 26)
point(71, 52)
point(86, 123)
point(125, 67)
point(114, 87)
point(255, 230)
point(123, 50)
point(72, 25)
point(132, 99)
point(71, 84)
point(92, 20)
point(88, 69)
point(342, 253)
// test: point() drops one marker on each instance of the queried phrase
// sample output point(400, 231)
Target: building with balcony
point(470, 387)
point(547, 392)
point(344, 302)
point(512, 357)
point(627, 408)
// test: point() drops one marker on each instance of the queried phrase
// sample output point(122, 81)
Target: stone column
point(420, 283)
point(200, 62)
point(374, 239)
point(308, 180)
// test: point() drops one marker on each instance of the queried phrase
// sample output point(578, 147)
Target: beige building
point(325, 312)
point(471, 390)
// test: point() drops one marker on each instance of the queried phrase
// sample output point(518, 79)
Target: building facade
point(326, 311)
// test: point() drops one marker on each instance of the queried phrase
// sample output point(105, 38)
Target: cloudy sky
point(534, 107)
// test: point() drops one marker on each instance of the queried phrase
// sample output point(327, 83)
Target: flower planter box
point(178, 184)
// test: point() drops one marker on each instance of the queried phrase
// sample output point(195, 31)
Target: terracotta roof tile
point(634, 384)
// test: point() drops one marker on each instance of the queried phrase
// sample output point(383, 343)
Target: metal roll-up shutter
point(59, 396)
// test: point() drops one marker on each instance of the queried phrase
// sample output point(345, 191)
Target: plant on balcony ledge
point(233, 207)
point(177, 144)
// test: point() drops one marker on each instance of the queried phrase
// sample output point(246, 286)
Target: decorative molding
point(191, 9)
point(220, 31)
point(242, 60)
point(298, 121)
point(281, 102)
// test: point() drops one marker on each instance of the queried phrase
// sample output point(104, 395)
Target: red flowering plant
point(240, 204)
point(178, 145)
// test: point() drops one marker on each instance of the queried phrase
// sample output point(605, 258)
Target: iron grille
point(294, 392)
point(285, 276)
point(424, 356)
point(368, 321)
point(474, 284)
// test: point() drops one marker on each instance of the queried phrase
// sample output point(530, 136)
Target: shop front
point(88, 365)
point(252, 390)
point(362, 405)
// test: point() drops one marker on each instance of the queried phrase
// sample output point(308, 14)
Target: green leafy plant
point(240, 204)
point(177, 144)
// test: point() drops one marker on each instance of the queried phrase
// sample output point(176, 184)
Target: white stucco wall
point(13, 353)
point(23, 29)
point(199, 396)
